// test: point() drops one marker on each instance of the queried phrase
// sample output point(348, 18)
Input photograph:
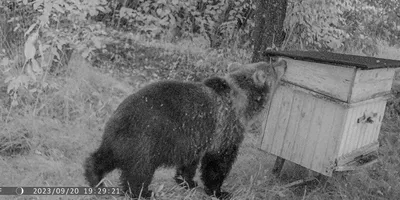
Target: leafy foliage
point(212, 18)
point(342, 25)
point(46, 34)
point(316, 23)
point(370, 22)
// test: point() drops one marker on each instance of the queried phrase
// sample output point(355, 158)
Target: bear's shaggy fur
point(180, 124)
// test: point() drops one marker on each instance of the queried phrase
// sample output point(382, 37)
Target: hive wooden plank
point(353, 130)
point(303, 130)
point(371, 83)
point(366, 129)
point(291, 132)
point(374, 128)
point(272, 120)
point(284, 115)
point(334, 141)
point(362, 134)
point(314, 133)
point(345, 136)
point(374, 136)
point(326, 139)
point(333, 81)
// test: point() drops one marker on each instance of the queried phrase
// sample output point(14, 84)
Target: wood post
point(278, 166)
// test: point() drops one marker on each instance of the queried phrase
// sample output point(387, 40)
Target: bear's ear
point(259, 77)
point(279, 68)
point(234, 67)
point(263, 71)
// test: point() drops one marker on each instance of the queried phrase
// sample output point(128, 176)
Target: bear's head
point(254, 84)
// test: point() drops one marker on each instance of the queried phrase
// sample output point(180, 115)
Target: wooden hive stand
point(327, 113)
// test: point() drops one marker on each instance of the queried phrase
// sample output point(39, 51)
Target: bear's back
point(167, 106)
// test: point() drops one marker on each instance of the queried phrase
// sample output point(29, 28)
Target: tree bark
point(268, 33)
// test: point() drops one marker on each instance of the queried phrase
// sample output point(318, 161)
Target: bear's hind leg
point(185, 173)
point(136, 180)
point(97, 165)
point(215, 168)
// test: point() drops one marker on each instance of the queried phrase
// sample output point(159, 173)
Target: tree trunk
point(268, 33)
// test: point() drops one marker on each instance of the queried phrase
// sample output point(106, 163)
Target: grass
point(46, 145)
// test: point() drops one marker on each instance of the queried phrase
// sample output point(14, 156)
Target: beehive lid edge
point(362, 62)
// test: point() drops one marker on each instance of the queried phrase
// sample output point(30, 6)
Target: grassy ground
point(46, 145)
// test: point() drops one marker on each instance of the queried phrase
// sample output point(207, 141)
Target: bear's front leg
point(185, 173)
point(215, 167)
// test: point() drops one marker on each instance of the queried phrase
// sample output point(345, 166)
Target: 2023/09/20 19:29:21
point(60, 191)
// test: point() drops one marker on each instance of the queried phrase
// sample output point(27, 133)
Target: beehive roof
point(362, 62)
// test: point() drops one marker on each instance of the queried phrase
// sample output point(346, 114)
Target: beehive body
point(316, 132)
point(322, 115)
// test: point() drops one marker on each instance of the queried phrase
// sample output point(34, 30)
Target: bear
point(183, 124)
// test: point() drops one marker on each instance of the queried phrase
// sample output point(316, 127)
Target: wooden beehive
point(328, 110)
